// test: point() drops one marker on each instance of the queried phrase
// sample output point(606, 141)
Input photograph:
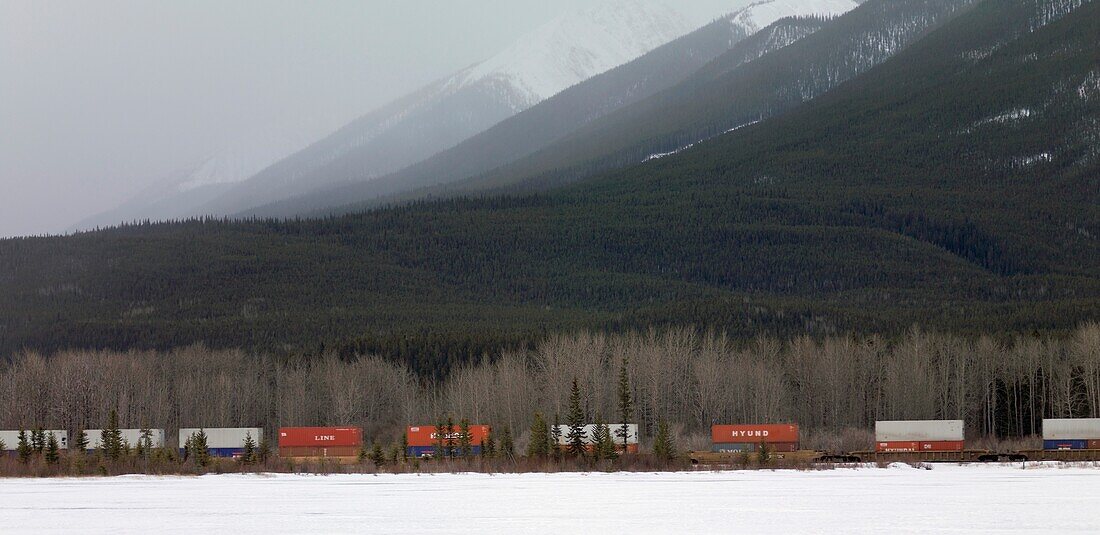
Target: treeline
point(834, 387)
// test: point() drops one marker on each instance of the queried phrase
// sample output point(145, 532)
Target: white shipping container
point(1071, 429)
point(920, 430)
point(223, 437)
point(130, 436)
point(589, 432)
point(11, 438)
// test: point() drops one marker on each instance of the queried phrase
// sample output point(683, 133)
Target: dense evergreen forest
point(954, 187)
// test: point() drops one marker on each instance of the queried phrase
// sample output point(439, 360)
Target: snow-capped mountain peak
point(574, 47)
point(762, 13)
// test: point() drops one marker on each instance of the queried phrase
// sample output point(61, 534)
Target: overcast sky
point(100, 98)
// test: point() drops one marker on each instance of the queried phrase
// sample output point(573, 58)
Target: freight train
point(905, 441)
point(895, 441)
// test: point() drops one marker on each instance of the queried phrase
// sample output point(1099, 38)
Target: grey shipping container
point(920, 430)
point(11, 438)
point(223, 441)
point(1071, 429)
point(130, 436)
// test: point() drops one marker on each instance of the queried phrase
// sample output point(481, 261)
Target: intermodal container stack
point(920, 436)
point(782, 438)
point(423, 439)
point(11, 438)
point(1071, 434)
point(130, 436)
point(320, 442)
point(590, 436)
point(223, 441)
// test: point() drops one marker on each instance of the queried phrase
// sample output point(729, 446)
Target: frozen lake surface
point(966, 499)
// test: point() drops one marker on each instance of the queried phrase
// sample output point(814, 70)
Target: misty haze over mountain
point(108, 104)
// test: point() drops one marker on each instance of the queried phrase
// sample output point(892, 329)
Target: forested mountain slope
point(745, 34)
point(955, 186)
point(728, 93)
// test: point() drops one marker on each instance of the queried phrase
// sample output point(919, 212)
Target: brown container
point(755, 434)
point(318, 452)
point(1094, 444)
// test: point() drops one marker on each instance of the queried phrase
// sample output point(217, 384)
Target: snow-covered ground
point(956, 499)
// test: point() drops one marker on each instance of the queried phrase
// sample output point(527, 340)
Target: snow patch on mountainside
point(763, 13)
point(576, 47)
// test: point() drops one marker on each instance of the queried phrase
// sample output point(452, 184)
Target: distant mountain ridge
point(740, 87)
point(562, 53)
point(744, 35)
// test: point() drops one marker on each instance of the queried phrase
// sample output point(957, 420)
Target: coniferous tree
point(441, 439)
point(53, 454)
point(145, 443)
point(449, 437)
point(377, 456)
point(763, 454)
point(540, 441)
point(248, 453)
point(605, 442)
point(110, 439)
point(576, 437)
point(38, 440)
point(507, 444)
point(664, 449)
point(24, 448)
point(3, 446)
point(465, 448)
point(555, 437)
point(405, 447)
point(626, 406)
point(263, 452)
point(395, 455)
point(199, 451)
point(80, 441)
point(489, 446)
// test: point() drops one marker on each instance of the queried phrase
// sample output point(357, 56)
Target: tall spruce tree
point(248, 453)
point(441, 439)
point(555, 437)
point(263, 452)
point(507, 444)
point(664, 449)
point(449, 437)
point(53, 453)
point(489, 446)
point(80, 441)
point(576, 437)
point(465, 442)
point(405, 446)
point(38, 440)
point(540, 441)
point(626, 405)
point(377, 456)
point(145, 443)
point(763, 454)
point(110, 439)
point(24, 448)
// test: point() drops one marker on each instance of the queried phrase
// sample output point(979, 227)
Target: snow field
point(900, 499)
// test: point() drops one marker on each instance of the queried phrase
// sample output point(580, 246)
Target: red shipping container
point(897, 447)
point(741, 434)
point(425, 435)
point(905, 447)
point(296, 437)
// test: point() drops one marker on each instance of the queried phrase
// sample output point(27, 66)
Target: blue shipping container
point(429, 451)
point(221, 452)
point(1053, 445)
